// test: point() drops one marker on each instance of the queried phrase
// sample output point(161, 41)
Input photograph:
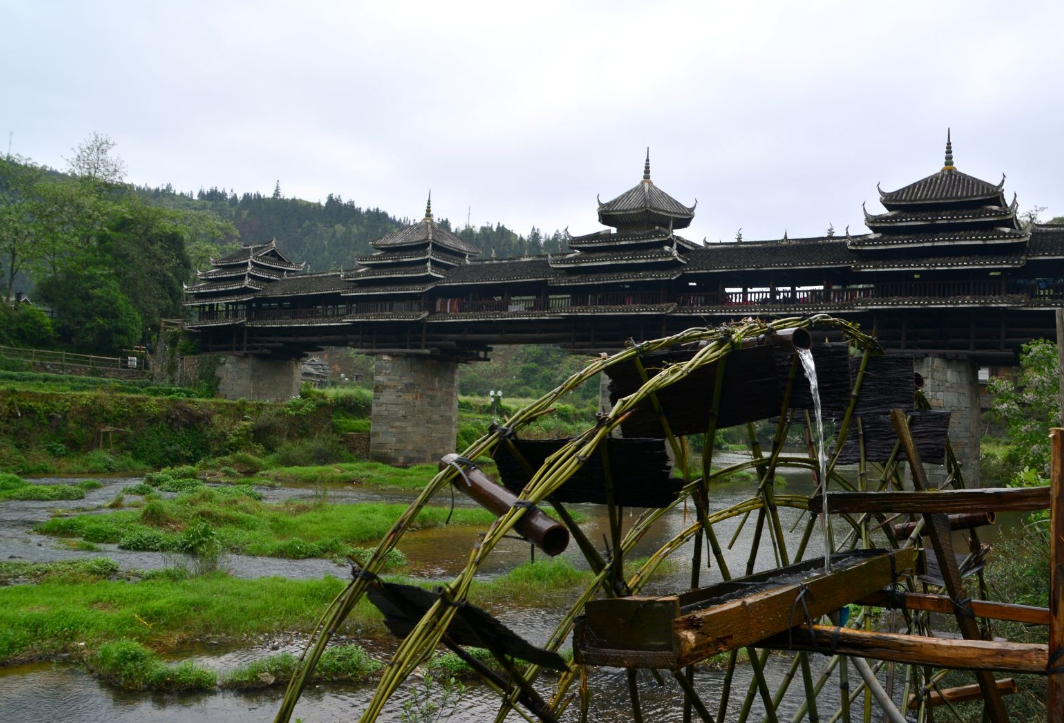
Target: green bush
point(90, 484)
point(148, 540)
point(44, 493)
point(312, 451)
point(139, 489)
point(130, 665)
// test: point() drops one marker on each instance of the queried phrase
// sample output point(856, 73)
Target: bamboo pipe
point(799, 338)
point(541, 530)
point(965, 521)
point(963, 693)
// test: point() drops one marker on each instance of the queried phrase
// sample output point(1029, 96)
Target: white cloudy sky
point(774, 115)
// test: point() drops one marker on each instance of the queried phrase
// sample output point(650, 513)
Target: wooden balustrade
point(762, 297)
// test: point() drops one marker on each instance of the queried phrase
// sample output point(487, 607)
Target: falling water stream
point(809, 367)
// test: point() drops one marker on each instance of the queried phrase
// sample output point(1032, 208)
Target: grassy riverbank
point(236, 522)
point(77, 608)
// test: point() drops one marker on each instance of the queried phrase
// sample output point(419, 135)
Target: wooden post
point(1055, 680)
point(1060, 354)
point(937, 525)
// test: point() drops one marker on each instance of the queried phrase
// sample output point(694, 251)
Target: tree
point(91, 311)
point(1029, 406)
point(31, 327)
point(94, 162)
point(19, 211)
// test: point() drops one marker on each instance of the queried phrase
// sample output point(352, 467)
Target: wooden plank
point(938, 527)
point(677, 630)
point(916, 650)
point(989, 499)
point(962, 694)
point(942, 604)
point(1055, 682)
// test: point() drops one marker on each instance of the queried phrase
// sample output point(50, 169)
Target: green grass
point(130, 665)
point(40, 382)
point(339, 663)
point(370, 474)
point(164, 612)
point(247, 526)
point(13, 487)
point(97, 568)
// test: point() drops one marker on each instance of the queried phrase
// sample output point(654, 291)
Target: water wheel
point(661, 393)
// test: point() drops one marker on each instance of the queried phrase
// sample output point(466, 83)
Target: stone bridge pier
point(256, 378)
point(415, 409)
point(953, 384)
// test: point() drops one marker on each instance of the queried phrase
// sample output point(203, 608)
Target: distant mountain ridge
point(330, 235)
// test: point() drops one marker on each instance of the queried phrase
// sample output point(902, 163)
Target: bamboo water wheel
point(896, 553)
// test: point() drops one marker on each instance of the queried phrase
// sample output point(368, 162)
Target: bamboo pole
point(428, 632)
point(963, 693)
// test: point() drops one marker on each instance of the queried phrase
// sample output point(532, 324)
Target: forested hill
point(331, 235)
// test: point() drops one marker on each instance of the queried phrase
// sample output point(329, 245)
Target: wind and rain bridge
point(948, 273)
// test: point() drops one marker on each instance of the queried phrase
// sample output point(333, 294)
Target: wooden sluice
point(893, 550)
point(672, 631)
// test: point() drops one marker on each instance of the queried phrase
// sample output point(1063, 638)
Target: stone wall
point(415, 409)
point(953, 384)
point(252, 378)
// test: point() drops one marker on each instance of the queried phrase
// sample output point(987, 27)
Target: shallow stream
point(60, 692)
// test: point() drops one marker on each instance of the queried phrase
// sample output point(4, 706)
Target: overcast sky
point(774, 116)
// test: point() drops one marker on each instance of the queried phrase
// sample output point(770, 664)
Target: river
point(63, 692)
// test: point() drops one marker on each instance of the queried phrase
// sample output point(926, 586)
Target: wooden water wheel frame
point(919, 661)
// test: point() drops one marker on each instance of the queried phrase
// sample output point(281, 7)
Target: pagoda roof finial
point(646, 166)
point(428, 207)
point(949, 153)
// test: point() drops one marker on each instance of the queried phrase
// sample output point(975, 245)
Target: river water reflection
point(56, 692)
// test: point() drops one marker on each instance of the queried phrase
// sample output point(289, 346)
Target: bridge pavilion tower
point(955, 221)
point(415, 395)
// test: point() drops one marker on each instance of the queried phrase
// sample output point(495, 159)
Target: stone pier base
point(415, 409)
point(265, 380)
point(953, 384)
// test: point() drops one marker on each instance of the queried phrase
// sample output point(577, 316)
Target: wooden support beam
point(979, 655)
point(937, 525)
point(963, 694)
point(997, 499)
point(1055, 683)
point(942, 604)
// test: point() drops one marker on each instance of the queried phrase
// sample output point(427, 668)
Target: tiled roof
point(382, 258)
point(208, 287)
point(617, 277)
point(829, 252)
point(608, 239)
point(259, 253)
point(945, 216)
point(947, 185)
point(230, 271)
point(387, 272)
point(400, 289)
point(305, 284)
point(423, 232)
point(1046, 242)
point(624, 256)
point(503, 270)
point(967, 236)
point(645, 203)
point(203, 301)
point(1014, 259)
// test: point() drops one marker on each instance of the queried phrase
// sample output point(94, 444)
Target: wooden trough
point(672, 631)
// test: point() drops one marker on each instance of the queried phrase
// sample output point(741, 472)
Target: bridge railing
point(205, 315)
point(941, 289)
point(309, 313)
point(387, 307)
